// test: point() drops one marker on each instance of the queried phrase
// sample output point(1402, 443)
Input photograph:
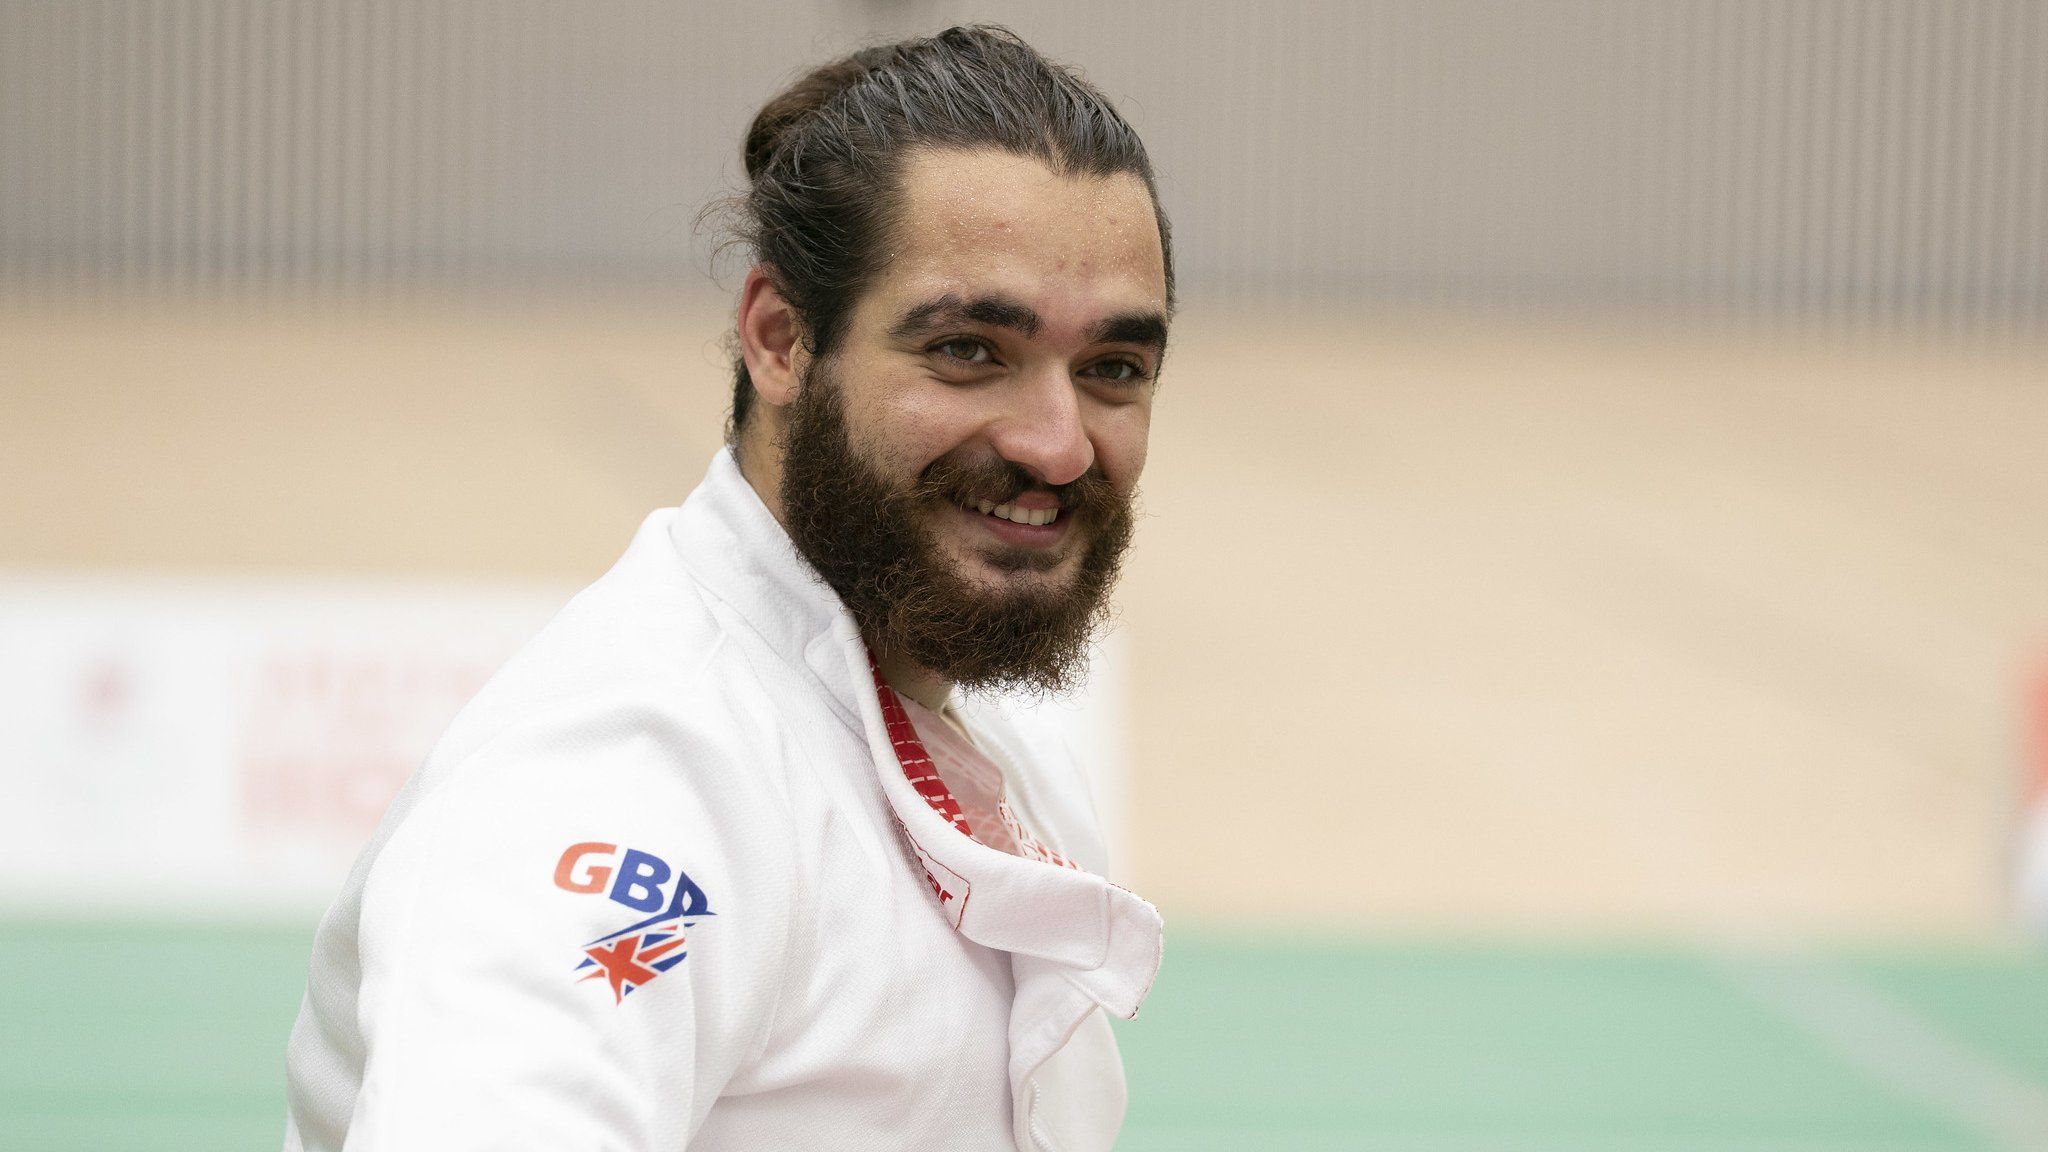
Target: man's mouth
point(1017, 515)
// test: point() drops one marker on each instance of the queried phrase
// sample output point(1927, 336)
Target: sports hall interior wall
point(1596, 484)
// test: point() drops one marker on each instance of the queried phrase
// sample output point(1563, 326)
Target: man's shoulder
point(637, 688)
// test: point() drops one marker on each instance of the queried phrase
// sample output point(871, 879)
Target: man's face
point(961, 468)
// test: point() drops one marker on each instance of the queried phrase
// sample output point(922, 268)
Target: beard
point(876, 544)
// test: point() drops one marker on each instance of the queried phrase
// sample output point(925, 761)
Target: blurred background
point(1582, 681)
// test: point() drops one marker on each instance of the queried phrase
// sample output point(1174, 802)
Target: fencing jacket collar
point(1076, 940)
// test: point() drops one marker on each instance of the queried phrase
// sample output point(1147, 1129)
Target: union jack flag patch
point(626, 962)
point(633, 956)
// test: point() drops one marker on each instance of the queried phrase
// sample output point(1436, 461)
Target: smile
point(1016, 515)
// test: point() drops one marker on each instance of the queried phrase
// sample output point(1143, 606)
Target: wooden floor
point(1545, 627)
point(1467, 626)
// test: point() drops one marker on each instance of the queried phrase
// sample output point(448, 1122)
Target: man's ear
point(770, 339)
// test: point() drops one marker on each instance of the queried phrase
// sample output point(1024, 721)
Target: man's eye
point(1118, 371)
point(970, 351)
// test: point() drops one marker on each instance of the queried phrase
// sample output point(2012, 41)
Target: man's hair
point(825, 160)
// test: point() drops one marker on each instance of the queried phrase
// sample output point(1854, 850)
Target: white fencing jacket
point(664, 885)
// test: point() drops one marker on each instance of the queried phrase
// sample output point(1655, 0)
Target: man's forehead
point(986, 224)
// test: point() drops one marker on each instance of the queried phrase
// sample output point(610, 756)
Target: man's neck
point(759, 464)
point(917, 683)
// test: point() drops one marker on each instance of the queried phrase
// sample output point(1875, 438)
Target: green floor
point(134, 1036)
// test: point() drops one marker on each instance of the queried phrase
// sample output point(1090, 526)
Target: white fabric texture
point(664, 885)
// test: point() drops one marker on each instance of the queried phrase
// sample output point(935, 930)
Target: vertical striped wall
point(1885, 159)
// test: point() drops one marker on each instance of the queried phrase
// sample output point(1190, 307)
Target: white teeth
point(1018, 515)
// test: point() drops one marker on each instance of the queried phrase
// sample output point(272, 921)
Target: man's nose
point(1041, 427)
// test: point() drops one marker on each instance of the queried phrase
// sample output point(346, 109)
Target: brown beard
point(874, 545)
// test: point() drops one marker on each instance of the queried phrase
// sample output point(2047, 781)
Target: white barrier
point(223, 745)
point(227, 746)
point(2030, 882)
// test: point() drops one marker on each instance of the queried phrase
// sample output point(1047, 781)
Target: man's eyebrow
point(992, 311)
point(1144, 328)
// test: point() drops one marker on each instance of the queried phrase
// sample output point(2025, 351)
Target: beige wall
point(1432, 624)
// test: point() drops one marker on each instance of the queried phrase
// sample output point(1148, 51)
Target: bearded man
point(740, 853)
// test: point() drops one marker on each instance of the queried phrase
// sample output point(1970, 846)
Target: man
point(725, 859)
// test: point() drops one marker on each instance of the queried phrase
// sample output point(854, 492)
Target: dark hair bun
point(799, 102)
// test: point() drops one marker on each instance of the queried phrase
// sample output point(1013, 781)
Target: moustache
point(999, 481)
